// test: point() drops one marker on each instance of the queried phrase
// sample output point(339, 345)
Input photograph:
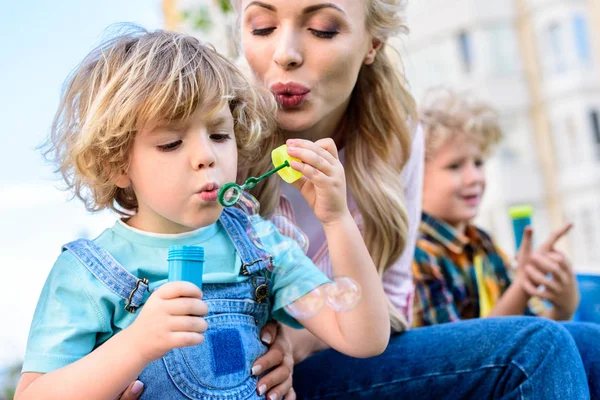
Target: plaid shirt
point(446, 287)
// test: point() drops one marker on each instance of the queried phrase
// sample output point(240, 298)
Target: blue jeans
point(500, 358)
point(587, 339)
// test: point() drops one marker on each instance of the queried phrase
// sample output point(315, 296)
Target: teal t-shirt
point(76, 313)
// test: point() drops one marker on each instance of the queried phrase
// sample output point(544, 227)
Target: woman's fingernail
point(256, 370)
point(262, 389)
point(137, 387)
point(273, 396)
point(266, 338)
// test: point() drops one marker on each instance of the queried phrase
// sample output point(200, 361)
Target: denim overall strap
point(106, 269)
point(236, 223)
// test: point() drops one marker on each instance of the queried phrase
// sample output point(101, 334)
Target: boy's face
point(176, 171)
point(454, 182)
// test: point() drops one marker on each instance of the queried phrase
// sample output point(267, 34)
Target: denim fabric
point(587, 336)
point(219, 368)
point(498, 358)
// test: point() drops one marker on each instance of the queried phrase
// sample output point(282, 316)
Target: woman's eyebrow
point(261, 4)
point(306, 10)
point(317, 7)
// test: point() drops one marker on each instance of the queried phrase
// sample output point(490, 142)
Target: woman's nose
point(288, 54)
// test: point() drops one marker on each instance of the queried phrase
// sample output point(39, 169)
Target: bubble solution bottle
point(186, 263)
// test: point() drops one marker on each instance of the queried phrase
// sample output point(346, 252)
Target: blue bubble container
point(186, 263)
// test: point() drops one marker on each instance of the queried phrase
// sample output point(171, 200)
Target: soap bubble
point(306, 306)
point(248, 204)
point(289, 229)
point(343, 294)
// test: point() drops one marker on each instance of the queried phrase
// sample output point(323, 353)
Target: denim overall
point(219, 367)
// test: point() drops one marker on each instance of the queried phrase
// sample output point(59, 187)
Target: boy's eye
point(170, 146)
point(323, 34)
point(262, 31)
point(220, 137)
point(453, 166)
point(479, 163)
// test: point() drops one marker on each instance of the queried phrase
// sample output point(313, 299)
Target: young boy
point(459, 272)
point(151, 125)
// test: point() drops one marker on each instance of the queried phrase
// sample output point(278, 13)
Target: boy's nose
point(203, 156)
point(474, 175)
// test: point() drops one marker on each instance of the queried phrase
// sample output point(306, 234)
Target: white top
point(397, 280)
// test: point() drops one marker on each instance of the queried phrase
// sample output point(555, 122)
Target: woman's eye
point(262, 31)
point(170, 146)
point(323, 34)
point(220, 137)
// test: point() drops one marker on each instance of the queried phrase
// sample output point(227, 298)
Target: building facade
point(538, 62)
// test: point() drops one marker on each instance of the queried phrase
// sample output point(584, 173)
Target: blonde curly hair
point(139, 78)
point(447, 114)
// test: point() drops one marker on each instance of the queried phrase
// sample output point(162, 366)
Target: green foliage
point(200, 19)
point(225, 6)
point(8, 387)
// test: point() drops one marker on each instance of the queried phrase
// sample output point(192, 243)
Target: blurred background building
point(537, 61)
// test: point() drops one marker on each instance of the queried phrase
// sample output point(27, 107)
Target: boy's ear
point(375, 47)
point(122, 180)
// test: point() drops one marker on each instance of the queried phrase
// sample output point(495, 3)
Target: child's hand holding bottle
point(547, 273)
point(171, 318)
point(323, 185)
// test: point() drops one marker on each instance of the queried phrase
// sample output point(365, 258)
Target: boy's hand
point(324, 182)
point(548, 274)
point(169, 319)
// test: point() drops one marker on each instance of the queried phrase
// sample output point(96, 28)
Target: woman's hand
point(323, 185)
point(277, 383)
point(133, 391)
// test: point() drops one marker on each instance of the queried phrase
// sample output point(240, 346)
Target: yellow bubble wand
point(231, 192)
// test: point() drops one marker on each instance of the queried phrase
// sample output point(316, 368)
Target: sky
point(41, 42)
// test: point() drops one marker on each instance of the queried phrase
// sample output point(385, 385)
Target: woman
point(325, 62)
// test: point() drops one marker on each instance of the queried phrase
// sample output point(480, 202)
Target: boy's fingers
point(188, 324)
point(548, 245)
point(187, 306)
point(172, 290)
point(539, 278)
point(562, 261)
point(526, 245)
point(534, 291)
point(547, 265)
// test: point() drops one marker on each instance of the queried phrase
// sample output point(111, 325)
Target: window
point(595, 125)
point(555, 46)
point(582, 43)
point(465, 47)
point(503, 49)
point(571, 128)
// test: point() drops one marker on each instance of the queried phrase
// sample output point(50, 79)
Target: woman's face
point(309, 54)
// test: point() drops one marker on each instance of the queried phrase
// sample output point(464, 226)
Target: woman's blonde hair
point(377, 146)
point(447, 114)
point(135, 79)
